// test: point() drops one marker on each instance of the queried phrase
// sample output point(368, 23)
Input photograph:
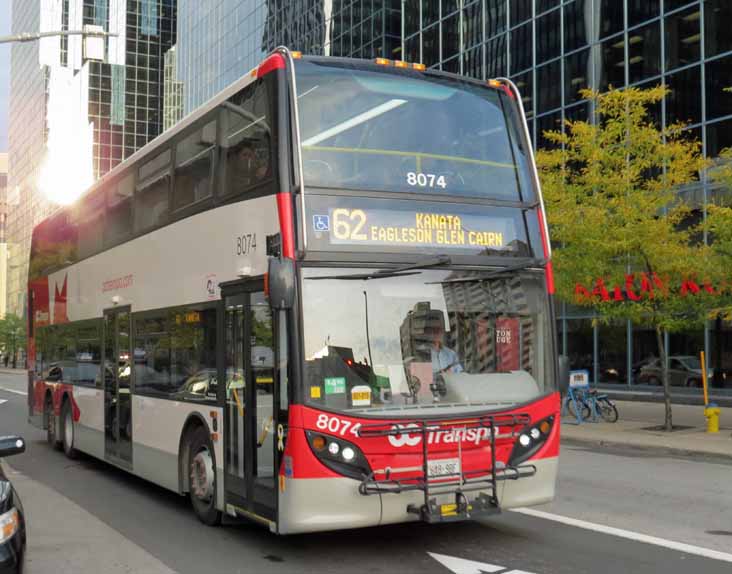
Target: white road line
point(3, 401)
point(14, 391)
point(628, 534)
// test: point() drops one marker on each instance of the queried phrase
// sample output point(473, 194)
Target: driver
point(443, 358)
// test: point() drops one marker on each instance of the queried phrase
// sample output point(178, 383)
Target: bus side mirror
point(281, 281)
point(10, 445)
point(563, 374)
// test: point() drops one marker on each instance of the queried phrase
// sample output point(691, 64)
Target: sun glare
point(67, 169)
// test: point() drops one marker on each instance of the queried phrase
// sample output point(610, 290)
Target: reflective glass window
point(551, 122)
point(544, 5)
point(411, 17)
point(411, 49)
point(151, 195)
point(717, 18)
point(521, 48)
point(548, 37)
point(430, 12)
point(611, 17)
point(683, 38)
point(247, 139)
point(193, 166)
point(611, 66)
point(719, 80)
point(669, 5)
point(88, 353)
point(524, 82)
point(496, 17)
point(683, 104)
point(520, 11)
point(644, 52)
point(451, 37)
point(452, 65)
point(118, 226)
point(175, 353)
point(472, 25)
point(576, 75)
point(575, 25)
point(654, 111)
point(719, 137)
point(431, 46)
point(495, 57)
point(580, 113)
point(473, 63)
point(549, 86)
point(89, 218)
point(641, 10)
point(449, 6)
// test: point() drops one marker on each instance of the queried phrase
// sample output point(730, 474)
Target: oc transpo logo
point(447, 436)
point(404, 438)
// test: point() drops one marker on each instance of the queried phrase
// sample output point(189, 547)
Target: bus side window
point(193, 166)
point(118, 227)
point(151, 195)
point(247, 140)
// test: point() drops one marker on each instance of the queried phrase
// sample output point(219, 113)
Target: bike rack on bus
point(484, 479)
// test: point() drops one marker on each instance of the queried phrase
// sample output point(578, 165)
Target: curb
point(662, 450)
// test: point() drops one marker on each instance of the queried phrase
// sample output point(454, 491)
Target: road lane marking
point(463, 566)
point(3, 401)
point(14, 391)
point(628, 534)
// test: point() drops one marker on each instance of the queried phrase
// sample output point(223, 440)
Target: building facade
point(3, 242)
point(554, 48)
point(219, 42)
point(78, 105)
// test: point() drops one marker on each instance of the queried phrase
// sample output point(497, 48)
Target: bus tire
point(68, 432)
point(202, 474)
point(50, 417)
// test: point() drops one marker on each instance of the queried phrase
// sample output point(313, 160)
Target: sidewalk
point(679, 395)
point(636, 417)
point(64, 538)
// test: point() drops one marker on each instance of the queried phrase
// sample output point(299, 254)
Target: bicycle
point(602, 405)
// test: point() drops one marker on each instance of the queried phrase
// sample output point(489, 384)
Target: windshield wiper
point(430, 261)
point(539, 264)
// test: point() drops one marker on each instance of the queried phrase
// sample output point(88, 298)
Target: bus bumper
point(317, 504)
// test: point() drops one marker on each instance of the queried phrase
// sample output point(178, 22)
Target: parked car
point(683, 371)
point(12, 518)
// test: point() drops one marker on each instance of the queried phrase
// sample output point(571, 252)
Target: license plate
point(361, 396)
point(445, 468)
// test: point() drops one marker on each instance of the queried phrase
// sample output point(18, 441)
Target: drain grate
point(719, 532)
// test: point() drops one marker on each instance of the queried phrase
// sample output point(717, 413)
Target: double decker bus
point(321, 301)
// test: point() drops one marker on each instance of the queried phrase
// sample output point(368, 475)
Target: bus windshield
point(369, 128)
point(436, 339)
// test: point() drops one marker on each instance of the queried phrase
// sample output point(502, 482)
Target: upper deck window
point(372, 129)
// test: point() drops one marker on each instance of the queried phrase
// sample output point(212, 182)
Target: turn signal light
point(318, 442)
point(9, 525)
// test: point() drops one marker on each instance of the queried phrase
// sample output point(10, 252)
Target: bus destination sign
point(339, 227)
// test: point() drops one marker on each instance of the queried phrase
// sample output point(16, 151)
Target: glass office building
point(552, 49)
point(78, 106)
point(219, 42)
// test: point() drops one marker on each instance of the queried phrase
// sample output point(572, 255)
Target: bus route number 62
point(348, 224)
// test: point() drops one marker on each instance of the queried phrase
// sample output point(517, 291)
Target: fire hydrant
point(711, 412)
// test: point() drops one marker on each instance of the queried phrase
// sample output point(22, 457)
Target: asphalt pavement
point(618, 510)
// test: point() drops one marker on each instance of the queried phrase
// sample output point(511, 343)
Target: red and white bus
point(321, 301)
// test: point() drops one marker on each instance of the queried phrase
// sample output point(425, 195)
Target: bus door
point(117, 367)
point(250, 419)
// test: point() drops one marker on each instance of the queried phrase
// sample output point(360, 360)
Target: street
point(118, 523)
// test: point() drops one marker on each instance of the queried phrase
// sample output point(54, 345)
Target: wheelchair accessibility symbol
point(321, 222)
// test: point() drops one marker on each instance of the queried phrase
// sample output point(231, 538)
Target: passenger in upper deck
point(248, 165)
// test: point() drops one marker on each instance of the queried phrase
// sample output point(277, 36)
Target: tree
point(12, 336)
point(623, 244)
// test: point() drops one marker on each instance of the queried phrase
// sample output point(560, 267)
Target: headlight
point(9, 525)
point(339, 455)
point(531, 441)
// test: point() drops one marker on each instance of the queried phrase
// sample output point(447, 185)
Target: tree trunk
point(664, 375)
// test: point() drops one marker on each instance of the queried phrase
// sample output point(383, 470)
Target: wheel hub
point(202, 476)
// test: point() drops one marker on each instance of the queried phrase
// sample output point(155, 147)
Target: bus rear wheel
point(67, 431)
point(50, 417)
point(202, 475)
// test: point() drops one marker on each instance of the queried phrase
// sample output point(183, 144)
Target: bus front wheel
point(202, 474)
